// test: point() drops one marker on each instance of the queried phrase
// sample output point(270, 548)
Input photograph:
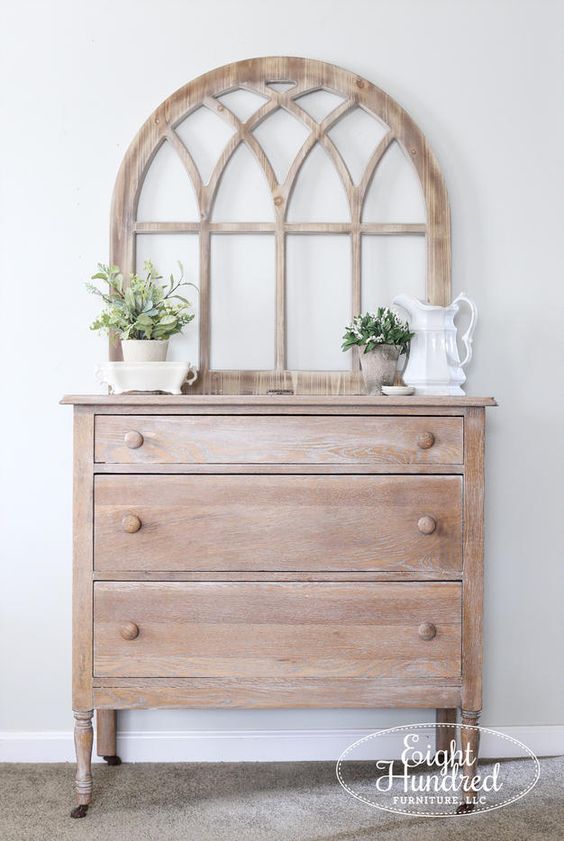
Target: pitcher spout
point(405, 302)
point(411, 305)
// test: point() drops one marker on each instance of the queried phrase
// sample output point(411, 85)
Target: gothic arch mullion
point(279, 99)
point(372, 165)
point(211, 188)
point(244, 132)
point(264, 111)
point(333, 118)
point(189, 165)
point(136, 194)
point(327, 144)
point(340, 165)
point(255, 119)
point(326, 125)
point(257, 150)
point(286, 100)
point(287, 187)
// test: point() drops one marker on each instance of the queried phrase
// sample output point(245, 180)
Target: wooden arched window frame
point(301, 76)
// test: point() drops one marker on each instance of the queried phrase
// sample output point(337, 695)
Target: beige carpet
point(248, 802)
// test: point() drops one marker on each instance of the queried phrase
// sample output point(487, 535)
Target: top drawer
point(275, 439)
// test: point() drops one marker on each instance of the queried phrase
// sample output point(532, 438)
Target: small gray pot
point(379, 367)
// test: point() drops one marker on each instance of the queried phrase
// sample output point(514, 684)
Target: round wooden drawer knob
point(133, 439)
point(131, 523)
point(426, 524)
point(427, 631)
point(130, 631)
point(425, 441)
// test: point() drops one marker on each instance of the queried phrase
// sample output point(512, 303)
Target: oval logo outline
point(432, 726)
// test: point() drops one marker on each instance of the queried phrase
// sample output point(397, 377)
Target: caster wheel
point(79, 811)
point(465, 808)
point(112, 760)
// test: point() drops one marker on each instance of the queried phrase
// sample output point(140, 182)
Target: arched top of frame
point(282, 89)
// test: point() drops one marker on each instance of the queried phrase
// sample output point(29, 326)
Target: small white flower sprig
point(382, 327)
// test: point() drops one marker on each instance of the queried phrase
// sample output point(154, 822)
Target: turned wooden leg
point(445, 735)
point(106, 736)
point(469, 744)
point(83, 738)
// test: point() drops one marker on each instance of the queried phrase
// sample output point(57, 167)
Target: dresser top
point(272, 400)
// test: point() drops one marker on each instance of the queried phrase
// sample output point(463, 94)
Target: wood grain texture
point(83, 740)
point(274, 575)
point(266, 469)
point(470, 746)
point(295, 693)
point(83, 559)
point(473, 592)
point(445, 734)
point(371, 228)
point(254, 630)
point(253, 75)
point(368, 411)
point(312, 404)
point(278, 522)
point(278, 440)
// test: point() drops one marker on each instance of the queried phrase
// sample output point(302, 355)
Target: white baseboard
point(253, 745)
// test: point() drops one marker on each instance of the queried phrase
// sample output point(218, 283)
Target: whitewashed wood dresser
point(275, 552)
point(313, 547)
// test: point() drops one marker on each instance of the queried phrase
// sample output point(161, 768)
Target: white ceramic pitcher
point(434, 366)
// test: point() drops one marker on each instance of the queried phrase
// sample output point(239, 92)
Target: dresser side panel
point(473, 559)
point(83, 558)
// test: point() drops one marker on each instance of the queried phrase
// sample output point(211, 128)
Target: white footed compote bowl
point(143, 377)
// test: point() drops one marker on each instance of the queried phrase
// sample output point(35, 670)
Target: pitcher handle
point(399, 380)
point(102, 378)
point(467, 337)
point(191, 370)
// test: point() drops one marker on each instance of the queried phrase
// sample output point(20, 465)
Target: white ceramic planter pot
point(144, 350)
point(379, 367)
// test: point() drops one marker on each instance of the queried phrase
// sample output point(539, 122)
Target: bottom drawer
point(251, 630)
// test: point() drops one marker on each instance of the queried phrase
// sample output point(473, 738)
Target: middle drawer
point(278, 522)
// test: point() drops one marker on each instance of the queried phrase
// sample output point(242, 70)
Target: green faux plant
point(142, 308)
point(372, 329)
